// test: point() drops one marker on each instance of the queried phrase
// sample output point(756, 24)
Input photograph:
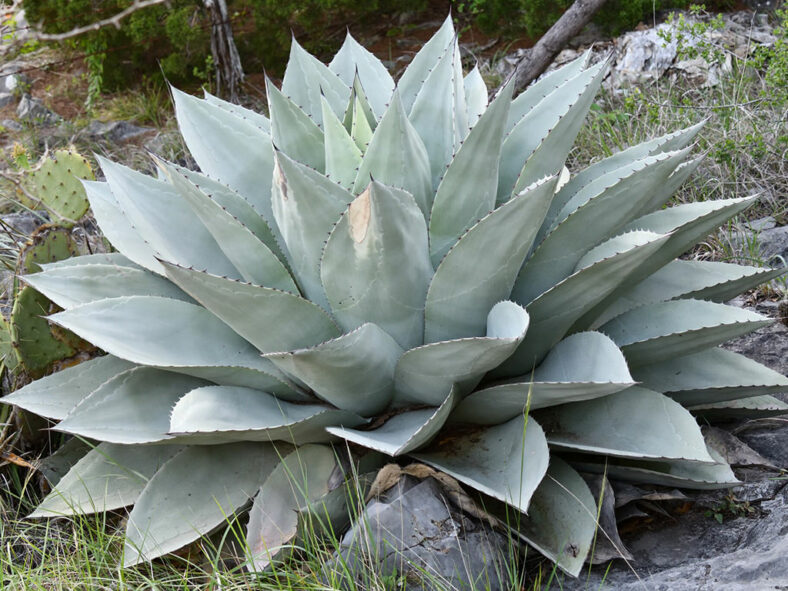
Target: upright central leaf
point(397, 156)
point(376, 264)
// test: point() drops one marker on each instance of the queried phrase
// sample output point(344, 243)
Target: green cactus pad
point(46, 245)
point(35, 345)
point(38, 345)
point(57, 184)
point(8, 358)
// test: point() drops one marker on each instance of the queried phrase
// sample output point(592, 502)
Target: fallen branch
point(538, 58)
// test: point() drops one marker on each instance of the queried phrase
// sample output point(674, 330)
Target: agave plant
point(407, 268)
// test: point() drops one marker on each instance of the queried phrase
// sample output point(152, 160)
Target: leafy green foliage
point(173, 40)
point(775, 60)
point(276, 21)
point(174, 35)
point(533, 17)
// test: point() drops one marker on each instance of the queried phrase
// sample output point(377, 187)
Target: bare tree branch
point(111, 21)
point(538, 58)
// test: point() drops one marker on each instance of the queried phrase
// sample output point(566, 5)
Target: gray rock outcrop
point(116, 131)
point(413, 531)
point(33, 110)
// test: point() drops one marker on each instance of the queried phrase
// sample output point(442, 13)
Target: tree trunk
point(229, 73)
point(536, 60)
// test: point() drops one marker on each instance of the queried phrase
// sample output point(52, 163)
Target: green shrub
point(175, 41)
point(533, 17)
point(176, 38)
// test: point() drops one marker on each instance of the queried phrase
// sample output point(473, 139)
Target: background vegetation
point(172, 41)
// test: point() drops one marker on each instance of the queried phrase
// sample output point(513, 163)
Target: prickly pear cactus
point(47, 244)
point(57, 184)
point(35, 343)
point(8, 359)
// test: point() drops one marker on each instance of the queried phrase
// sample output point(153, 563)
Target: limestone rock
point(6, 98)
point(413, 531)
point(116, 131)
point(11, 125)
point(33, 110)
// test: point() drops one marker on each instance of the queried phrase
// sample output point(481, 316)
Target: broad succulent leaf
point(507, 461)
point(467, 190)
point(561, 521)
point(300, 479)
point(677, 140)
point(684, 474)
point(380, 242)
point(164, 221)
point(235, 302)
point(108, 477)
point(475, 95)
point(425, 375)
point(229, 149)
point(635, 423)
point(397, 157)
point(546, 85)
point(583, 366)
point(484, 265)
point(254, 117)
point(423, 62)
point(131, 408)
point(119, 230)
point(362, 360)
point(689, 222)
point(611, 207)
point(685, 226)
point(530, 150)
point(433, 114)
point(557, 310)
point(307, 79)
point(82, 284)
point(752, 407)
point(55, 395)
point(361, 128)
point(700, 280)
point(103, 258)
point(251, 257)
point(548, 155)
point(680, 327)
point(179, 502)
point(354, 60)
point(306, 207)
point(226, 414)
point(405, 267)
point(179, 336)
point(362, 110)
point(236, 205)
point(293, 131)
point(403, 432)
point(343, 155)
point(713, 375)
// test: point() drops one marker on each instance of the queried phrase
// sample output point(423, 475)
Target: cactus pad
point(46, 245)
point(57, 184)
point(8, 359)
point(37, 344)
